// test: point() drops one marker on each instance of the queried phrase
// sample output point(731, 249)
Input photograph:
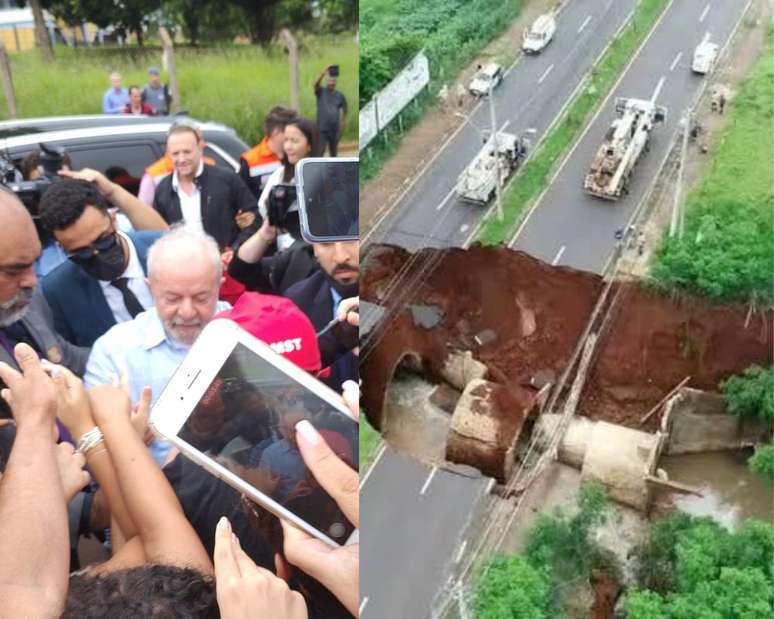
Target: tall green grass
point(727, 250)
point(235, 85)
point(534, 176)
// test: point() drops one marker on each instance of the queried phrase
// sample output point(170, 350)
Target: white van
point(539, 34)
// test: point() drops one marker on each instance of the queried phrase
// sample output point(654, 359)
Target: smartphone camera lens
point(337, 529)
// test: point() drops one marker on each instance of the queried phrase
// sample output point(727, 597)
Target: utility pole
point(495, 146)
point(677, 220)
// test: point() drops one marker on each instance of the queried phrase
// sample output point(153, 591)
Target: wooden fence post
point(292, 46)
point(5, 75)
point(169, 55)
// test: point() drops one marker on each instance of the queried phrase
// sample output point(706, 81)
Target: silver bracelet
point(89, 440)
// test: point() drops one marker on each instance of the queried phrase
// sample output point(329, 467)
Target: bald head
point(19, 249)
point(184, 272)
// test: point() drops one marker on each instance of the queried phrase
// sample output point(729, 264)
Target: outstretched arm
point(33, 565)
point(141, 216)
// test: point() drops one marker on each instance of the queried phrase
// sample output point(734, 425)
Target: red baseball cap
point(278, 322)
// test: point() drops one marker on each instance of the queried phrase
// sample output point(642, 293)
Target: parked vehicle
point(478, 181)
point(119, 146)
point(486, 79)
point(539, 34)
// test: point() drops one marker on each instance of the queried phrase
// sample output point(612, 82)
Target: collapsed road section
point(501, 327)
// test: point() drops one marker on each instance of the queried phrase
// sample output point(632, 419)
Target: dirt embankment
point(537, 313)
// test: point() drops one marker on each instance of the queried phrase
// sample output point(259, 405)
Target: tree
point(260, 18)
point(42, 40)
point(125, 16)
point(205, 19)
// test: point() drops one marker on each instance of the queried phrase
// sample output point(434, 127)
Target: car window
point(215, 156)
point(122, 163)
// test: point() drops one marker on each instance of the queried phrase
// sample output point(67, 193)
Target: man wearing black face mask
point(319, 296)
point(103, 282)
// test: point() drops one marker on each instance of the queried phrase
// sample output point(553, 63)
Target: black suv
point(119, 146)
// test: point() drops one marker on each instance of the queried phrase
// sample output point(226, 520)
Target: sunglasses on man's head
point(102, 244)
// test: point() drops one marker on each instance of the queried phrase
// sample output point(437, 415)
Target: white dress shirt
point(190, 206)
point(136, 276)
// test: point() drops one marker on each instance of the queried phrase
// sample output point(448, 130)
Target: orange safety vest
point(164, 167)
point(261, 159)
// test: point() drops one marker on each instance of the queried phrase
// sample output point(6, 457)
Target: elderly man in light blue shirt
point(184, 275)
point(115, 98)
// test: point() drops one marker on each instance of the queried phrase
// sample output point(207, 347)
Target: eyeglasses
point(104, 243)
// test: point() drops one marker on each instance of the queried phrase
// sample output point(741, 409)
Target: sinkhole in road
point(512, 321)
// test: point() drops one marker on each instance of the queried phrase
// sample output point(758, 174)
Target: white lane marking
point(428, 480)
point(545, 75)
point(659, 86)
point(558, 255)
point(584, 24)
point(704, 12)
point(593, 119)
point(379, 454)
point(446, 199)
point(505, 124)
point(362, 605)
point(464, 228)
point(675, 61)
point(461, 552)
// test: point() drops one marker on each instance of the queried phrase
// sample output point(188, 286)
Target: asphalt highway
point(530, 97)
point(572, 228)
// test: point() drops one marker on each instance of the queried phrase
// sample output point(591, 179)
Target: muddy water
point(730, 492)
point(412, 423)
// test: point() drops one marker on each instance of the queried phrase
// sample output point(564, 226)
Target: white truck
point(478, 181)
point(625, 142)
point(539, 34)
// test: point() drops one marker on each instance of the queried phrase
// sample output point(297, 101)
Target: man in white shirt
point(204, 197)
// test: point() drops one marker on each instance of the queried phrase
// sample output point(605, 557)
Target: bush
point(751, 394)
point(512, 589)
point(762, 461)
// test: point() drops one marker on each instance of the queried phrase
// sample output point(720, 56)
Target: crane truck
point(478, 181)
point(625, 142)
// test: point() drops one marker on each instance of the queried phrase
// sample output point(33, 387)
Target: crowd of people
point(87, 347)
point(154, 99)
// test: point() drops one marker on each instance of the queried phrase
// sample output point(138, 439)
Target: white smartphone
point(232, 407)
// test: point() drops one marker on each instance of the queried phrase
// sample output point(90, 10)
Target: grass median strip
point(369, 444)
point(533, 178)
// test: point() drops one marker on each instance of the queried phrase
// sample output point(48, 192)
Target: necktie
point(133, 306)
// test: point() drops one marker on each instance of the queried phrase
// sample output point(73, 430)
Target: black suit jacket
point(313, 296)
point(223, 195)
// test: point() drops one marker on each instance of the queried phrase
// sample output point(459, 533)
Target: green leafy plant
point(751, 394)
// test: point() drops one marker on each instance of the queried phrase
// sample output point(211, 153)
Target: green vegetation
point(727, 250)
point(451, 32)
point(694, 567)
point(534, 176)
point(369, 443)
point(235, 84)
point(561, 551)
point(751, 394)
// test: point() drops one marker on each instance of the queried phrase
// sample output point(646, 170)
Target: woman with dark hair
point(256, 263)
